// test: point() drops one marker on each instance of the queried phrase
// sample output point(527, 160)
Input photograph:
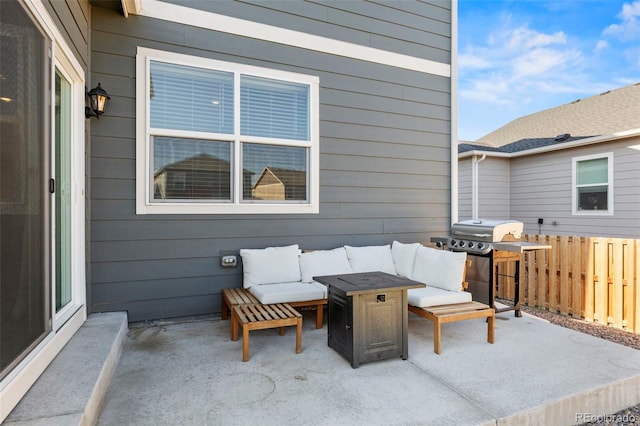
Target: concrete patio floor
point(536, 373)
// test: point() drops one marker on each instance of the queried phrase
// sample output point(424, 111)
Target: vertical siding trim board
point(454, 112)
point(216, 22)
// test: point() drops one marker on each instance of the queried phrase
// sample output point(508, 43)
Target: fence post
point(577, 277)
point(554, 269)
point(601, 287)
point(564, 275)
point(634, 278)
point(616, 302)
point(589, 285)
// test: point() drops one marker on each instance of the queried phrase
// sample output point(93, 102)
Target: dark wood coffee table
point(368, 319)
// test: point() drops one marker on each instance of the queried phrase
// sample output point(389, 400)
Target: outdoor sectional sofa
point(285, 274)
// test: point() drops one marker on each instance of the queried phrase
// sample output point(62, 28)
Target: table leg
point(490, 328)
point(245, 343)
point(319, 316)
point(299, 336)
point(225, 309)
point(234, 326)
point(437, 329)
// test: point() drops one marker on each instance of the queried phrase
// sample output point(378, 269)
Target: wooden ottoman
point(456, 312)
point(258, 317)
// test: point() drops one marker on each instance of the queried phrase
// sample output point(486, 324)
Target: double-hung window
point(218, 137)
point(593, 184)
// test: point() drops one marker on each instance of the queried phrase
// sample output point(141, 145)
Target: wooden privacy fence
point(592, 278)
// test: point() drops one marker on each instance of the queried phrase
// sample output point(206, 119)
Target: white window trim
point(574, 183)
point(143, 155)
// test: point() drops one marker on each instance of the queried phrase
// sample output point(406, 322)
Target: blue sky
point(518, 57)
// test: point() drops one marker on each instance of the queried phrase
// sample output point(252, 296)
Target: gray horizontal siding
point(72, 18)
point(384, 152)
point(465, 184)
point(541, 188)
point(494, 188)
point(422, 30)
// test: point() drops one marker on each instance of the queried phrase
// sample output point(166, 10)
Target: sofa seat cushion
point(270, 265)
point(433, 296)
point(288, 292)
point(324, 262)
point(371, 259)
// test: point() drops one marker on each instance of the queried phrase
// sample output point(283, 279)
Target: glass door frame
point(72, 73)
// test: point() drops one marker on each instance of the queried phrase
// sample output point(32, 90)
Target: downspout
point(474, 184)
point(454, 111)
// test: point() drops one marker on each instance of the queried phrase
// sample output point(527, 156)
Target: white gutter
point(576, 143)
point(474, 184)
point(454, 111)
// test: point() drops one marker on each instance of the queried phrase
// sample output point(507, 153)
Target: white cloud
point(515, 61)
point(629, 27)
point(525, 38)
point(472, 61)
point(601, 45)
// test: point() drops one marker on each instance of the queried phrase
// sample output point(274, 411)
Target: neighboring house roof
point(287, 177)
point(610, 112)
point(200, 162)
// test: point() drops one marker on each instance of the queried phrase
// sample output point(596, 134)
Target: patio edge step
point(71, 390)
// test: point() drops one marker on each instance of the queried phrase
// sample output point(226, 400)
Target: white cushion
point(287, 292)
point(403, 257)
point(371, 259)
point(439, 268)
point(433, 296)
point(324, 262)
point(270, 265)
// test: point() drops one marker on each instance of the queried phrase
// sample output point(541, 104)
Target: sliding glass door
point(24, 166)
point(41, 186)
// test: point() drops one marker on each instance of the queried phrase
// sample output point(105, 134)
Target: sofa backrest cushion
point(270, 265)
point(324, 262)
point(404, 255)
point(371, 259)
point(439, 268)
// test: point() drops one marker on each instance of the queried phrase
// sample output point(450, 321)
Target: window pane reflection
point(274, 172)
point(191, 169)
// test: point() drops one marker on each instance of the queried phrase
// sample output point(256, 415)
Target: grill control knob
point(480, 246)
point(439, 244)
point(461, 244)
point(453, 243)
point(470, 245)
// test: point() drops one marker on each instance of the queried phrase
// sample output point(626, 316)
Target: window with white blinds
point(219, 137)
point(592, 184)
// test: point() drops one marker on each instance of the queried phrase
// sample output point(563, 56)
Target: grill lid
point(489, 230)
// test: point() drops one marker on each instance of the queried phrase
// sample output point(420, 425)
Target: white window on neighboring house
point(593, 184)
point(219, 137)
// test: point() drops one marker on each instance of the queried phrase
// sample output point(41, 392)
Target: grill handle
point(472, 234)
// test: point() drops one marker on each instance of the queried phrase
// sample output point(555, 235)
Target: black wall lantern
point(98, 99)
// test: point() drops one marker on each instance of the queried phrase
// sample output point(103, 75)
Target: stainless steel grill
point(487, 242)
point(479, 235)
